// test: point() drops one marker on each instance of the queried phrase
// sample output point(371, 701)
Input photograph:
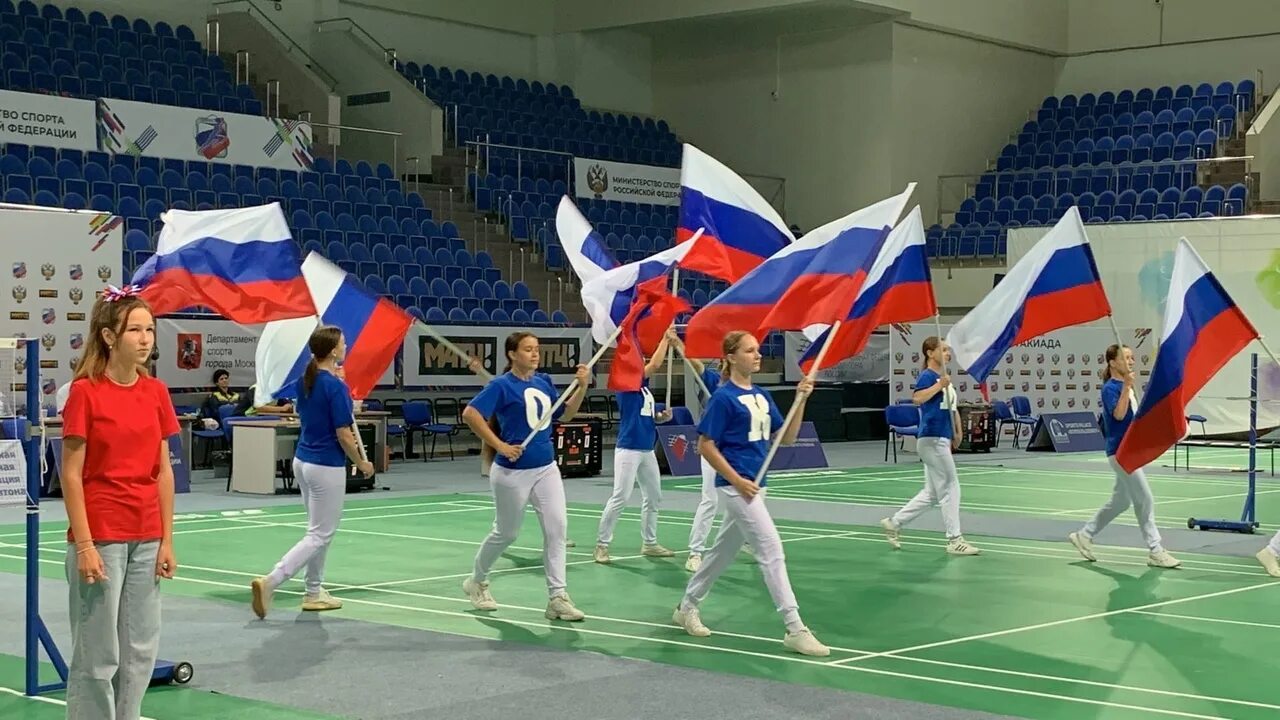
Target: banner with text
point(427, 362)
point(35, 119)
point(13, 473)
point(1057, 372)
point(626, 182)
point(191, 350)
point(869, 366)
point(58, 261)
point(133, 128)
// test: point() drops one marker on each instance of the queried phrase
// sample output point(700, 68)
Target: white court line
point(43, 699)
point(1161, 503)
point(1209, 619)
point(1064, 621)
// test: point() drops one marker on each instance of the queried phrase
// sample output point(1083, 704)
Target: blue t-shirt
point(935, 421)
point(740, 423)
point(519, 404)
point(323, 410)
point(710, 378)
point(1111, 427)
point(636, 430)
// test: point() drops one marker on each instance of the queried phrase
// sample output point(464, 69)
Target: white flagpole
point(545, 420)
point(795, 405)
point(451, 347)
point(675, 287)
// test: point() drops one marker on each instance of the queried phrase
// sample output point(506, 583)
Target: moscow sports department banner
point(191, 350)
point(1057, 372)
point(57, 262)
point(869, 366)
point(608, 180)
point(35, 119)
point(133, 128)
point(427, 362)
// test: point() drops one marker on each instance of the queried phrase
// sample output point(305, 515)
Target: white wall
point(962, 288)
point(609, 69)
point(955, 103)
point(827, 131)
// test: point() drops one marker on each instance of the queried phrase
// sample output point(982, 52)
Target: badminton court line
point(1209, 619)
point(1055, 623)
point(43, 699)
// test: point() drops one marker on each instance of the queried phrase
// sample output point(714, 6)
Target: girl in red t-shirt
point(118, 487)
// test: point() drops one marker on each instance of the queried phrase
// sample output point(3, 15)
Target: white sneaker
point(601, 554)
point(656, 550)
point(570, 543)
point(958, 546)
point(261, 597)
point(1269, 561)
point(805, 643)
point(561, 607)
point(693, 563)
point(479, 594)
point(691, 621)
point(1162, 559)
point(891, 533)
point(1084, 545)
point(320, 602)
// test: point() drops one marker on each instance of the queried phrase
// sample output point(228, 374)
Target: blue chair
point(218, 435)
point(903, 421)
point(1021, 406)
point(1199, 419)
point(418, 419)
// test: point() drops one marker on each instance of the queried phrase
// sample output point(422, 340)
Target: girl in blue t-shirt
point(1119, 403)
point(734, 436)
point(706, 512)
point(939, 433)
point(326, 441)
point(635, 462)
point(520, 399)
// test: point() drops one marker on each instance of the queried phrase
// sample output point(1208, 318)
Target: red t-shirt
point(122, 427)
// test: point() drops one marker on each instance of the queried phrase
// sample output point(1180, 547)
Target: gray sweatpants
point(543, 488)
point(1129, 490)
point(115, 632)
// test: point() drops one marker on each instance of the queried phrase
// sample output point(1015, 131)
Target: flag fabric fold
point(609, 296)
point(373, 327)
point(1055, 285)
point(241, 263)
point(652, 312)
point(585, 249)
point(812, 281)
point(899, 288)
point(1203, 330)
point(741, 229)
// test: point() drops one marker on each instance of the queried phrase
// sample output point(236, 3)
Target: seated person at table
point(248, 405)
point(222, 395)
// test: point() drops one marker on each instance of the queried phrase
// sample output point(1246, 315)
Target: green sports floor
point(1027, 629)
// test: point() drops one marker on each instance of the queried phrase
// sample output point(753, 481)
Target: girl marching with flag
point(734, 435)
point(524, 475)
point(1118, 407)
point(939, 434)
point(634, 461)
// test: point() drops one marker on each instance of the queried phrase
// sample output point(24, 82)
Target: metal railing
point(336, 140)
point(953, 190)
point(213, 37)
point(388, 53)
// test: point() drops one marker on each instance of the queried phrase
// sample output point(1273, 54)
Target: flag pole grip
point(545, 420)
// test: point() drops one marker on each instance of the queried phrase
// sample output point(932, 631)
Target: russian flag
point(372, 326)
point(652, 311)
point(241, 263)
point(1055, 285)
point(1203, 330)
point(740, 228)
point(609, 296)
point(583, 246)
point(898, 288)
point(812, 281)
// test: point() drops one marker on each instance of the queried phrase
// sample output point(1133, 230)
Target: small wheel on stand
point(183, 672)
point(1191, 523)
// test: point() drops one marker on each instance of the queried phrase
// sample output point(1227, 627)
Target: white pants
point(1129, 490)
point(629, 468)
point(941, 486)
point(542, 488)
point(324, 489)
point(706, 512)
point(746, 522)
point(1275, 543)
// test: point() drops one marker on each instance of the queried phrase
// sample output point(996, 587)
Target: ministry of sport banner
point(427, 362)
point(35, 119)
point(1057, 372)
point(134, 128)
point(608, 180)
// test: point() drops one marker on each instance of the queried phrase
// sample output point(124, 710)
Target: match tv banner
point(134, 128)
point(427, 362)
point(626, 182)
point(191, 350)
point(36, 119)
